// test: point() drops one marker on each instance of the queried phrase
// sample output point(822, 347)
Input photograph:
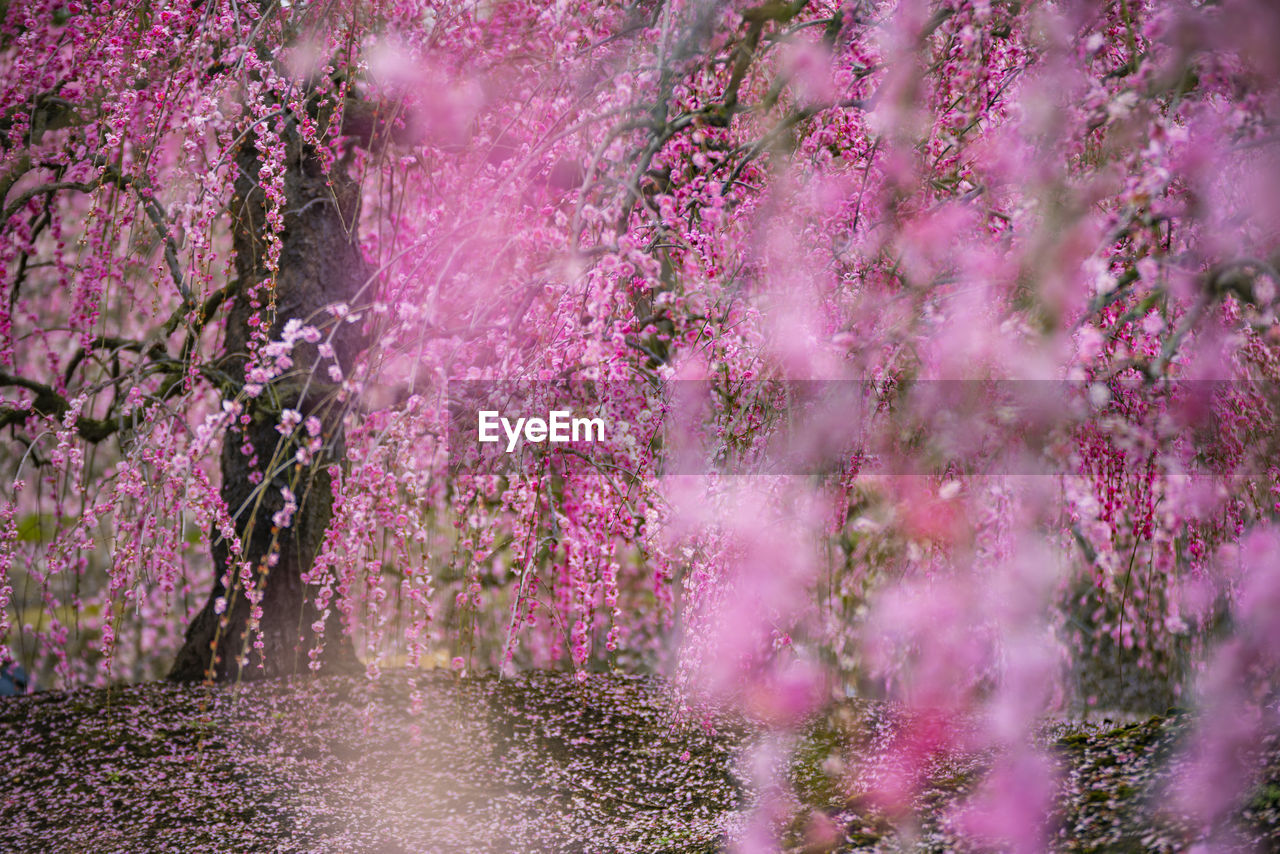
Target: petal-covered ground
point(406, 763)
point(424, 762)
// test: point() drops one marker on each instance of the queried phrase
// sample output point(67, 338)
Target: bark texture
point(320, 264)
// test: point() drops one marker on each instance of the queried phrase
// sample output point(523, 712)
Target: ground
point(425, 762)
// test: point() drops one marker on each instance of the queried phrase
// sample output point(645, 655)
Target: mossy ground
point(425, 762)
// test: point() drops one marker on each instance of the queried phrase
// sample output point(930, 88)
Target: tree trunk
point(320, 264)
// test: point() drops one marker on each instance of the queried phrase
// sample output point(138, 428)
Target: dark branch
point(50, 402)
point(112, 176)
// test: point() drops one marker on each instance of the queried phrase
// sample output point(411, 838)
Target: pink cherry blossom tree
point(936, 343)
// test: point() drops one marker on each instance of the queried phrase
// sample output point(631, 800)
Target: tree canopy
point(934, 344)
